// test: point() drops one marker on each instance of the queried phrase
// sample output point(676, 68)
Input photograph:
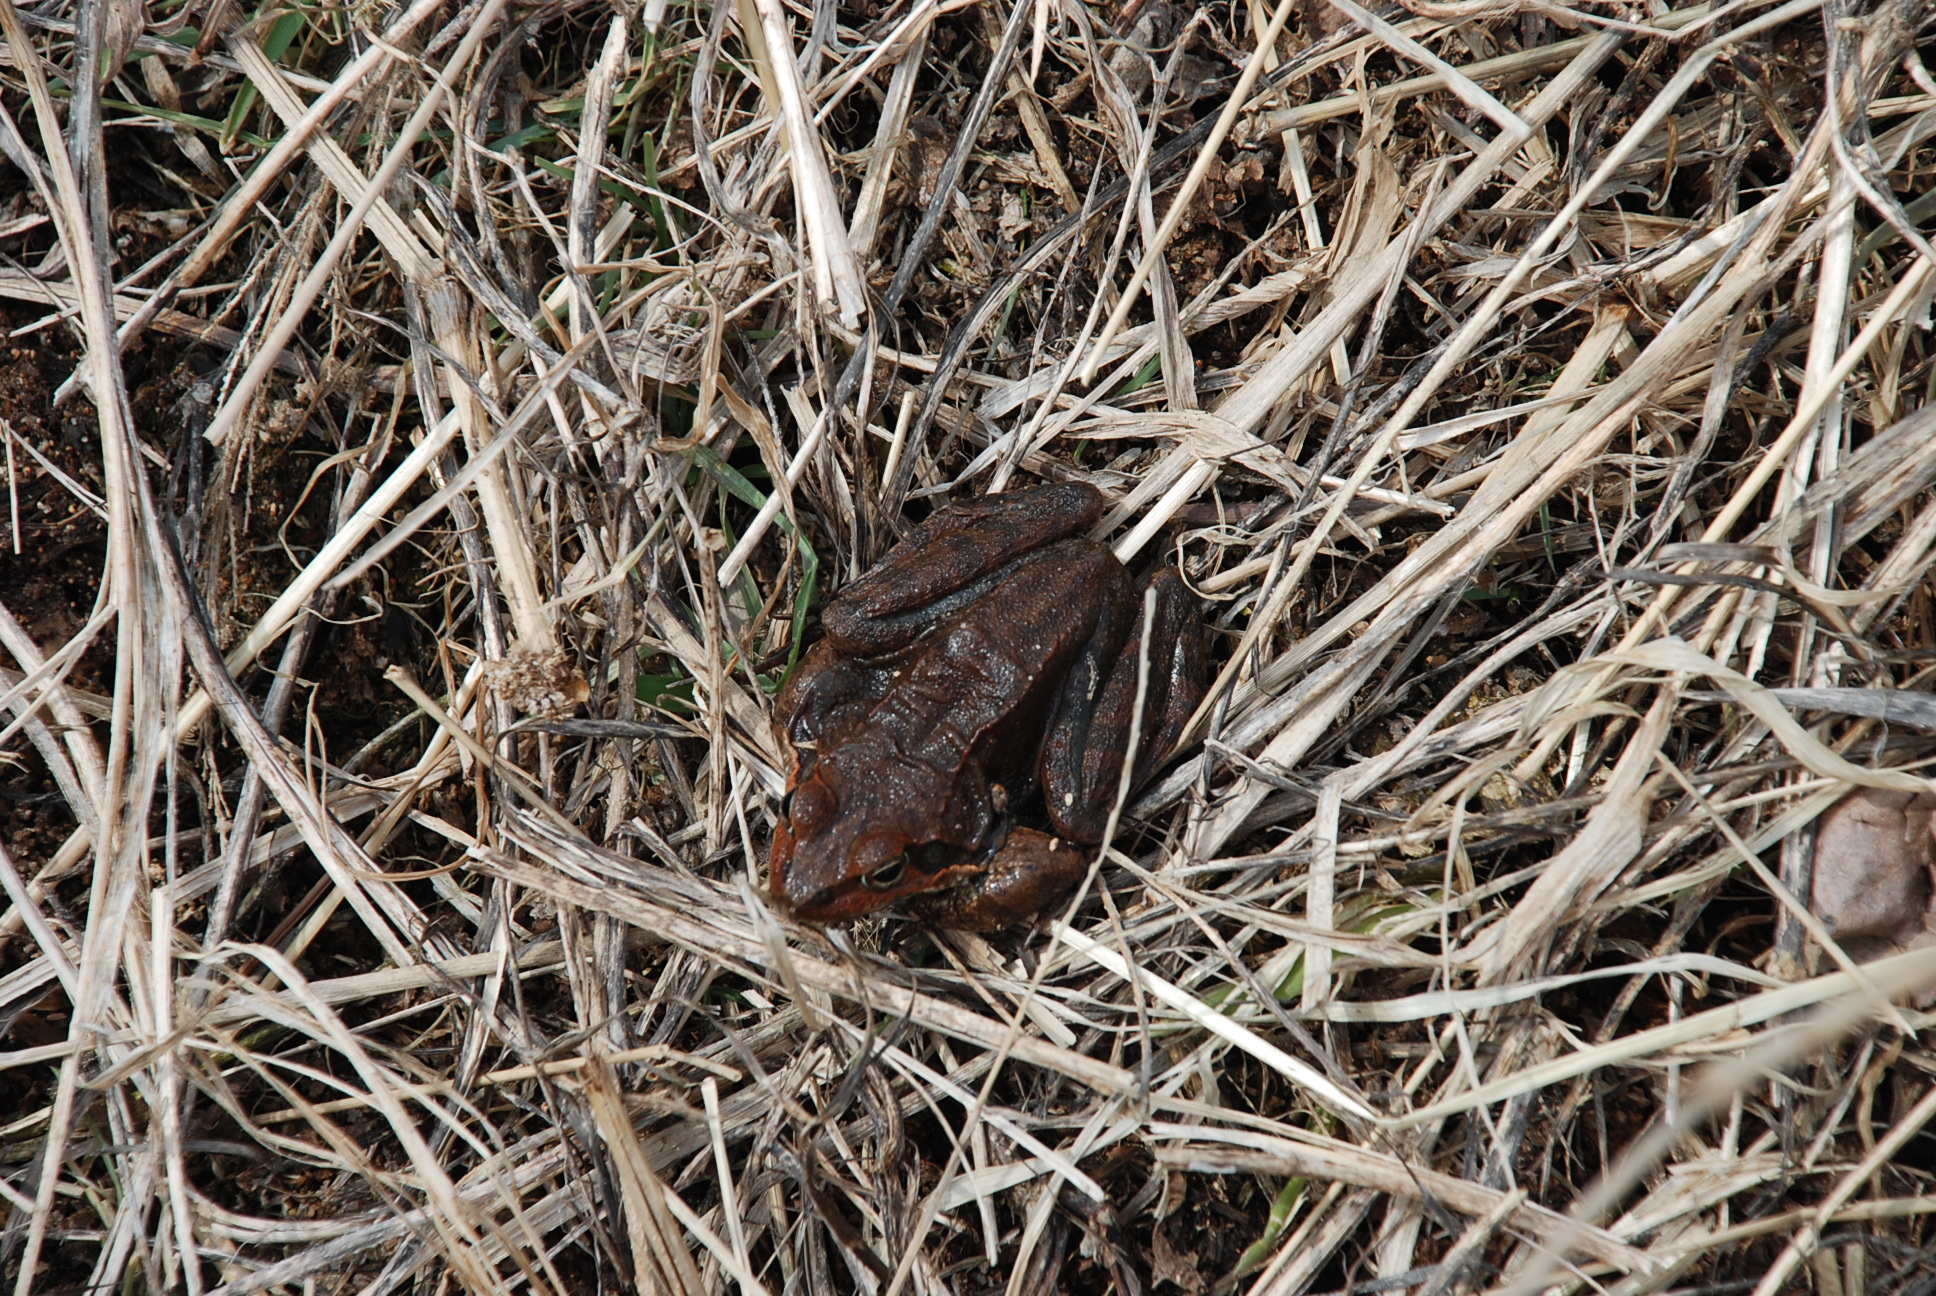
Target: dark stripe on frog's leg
point(1082, 753)
point(1178, 667)
point(951, 560)
point(1075, 757)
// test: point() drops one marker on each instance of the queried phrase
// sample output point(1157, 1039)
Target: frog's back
point(980, 689)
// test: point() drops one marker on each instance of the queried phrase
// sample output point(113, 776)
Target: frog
point(955, 740)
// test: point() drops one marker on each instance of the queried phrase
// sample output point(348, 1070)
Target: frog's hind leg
point(955, 558)
point(1082, 753)
point(1177, 678)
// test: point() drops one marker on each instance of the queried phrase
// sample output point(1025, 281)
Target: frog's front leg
point(1029, 872)
point(828, 693)
point(1081, 764)
point(951, 560)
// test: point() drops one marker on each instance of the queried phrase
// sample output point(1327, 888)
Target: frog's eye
point(808, 807)
point(887, 876)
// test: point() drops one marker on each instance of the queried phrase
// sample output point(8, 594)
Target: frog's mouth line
point(909, 879)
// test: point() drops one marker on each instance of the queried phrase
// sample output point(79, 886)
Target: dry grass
point(1537, 395)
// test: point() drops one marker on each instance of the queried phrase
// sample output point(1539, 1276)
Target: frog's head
point(844, 848)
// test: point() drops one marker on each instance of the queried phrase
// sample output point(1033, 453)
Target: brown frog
point(992, 650)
